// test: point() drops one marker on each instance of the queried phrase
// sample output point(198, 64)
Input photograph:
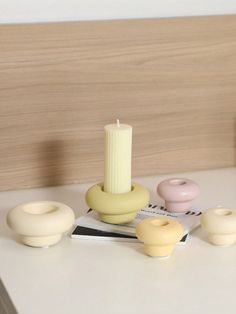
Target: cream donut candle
point(41, 223)
point(220, 224)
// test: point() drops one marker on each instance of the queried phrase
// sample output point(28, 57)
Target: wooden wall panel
point(173, 79)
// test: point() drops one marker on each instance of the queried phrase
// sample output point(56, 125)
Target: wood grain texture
point(173, 80)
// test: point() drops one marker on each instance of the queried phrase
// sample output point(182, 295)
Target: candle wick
point(118, 122)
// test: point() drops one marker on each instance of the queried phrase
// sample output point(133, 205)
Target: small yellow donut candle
point(159, 235)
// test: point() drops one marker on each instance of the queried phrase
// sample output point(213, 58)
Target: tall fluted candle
point(118, 150)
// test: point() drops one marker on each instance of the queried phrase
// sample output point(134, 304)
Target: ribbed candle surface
point(118, 150)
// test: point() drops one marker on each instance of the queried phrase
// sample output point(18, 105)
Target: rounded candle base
point(222, 239)
point(158, 251)
point(117, 208)
point(41, 241)
point(175, 207)
point(118, 219)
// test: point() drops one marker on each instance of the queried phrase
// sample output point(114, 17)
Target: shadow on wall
point(53, 167)
point(235, 141)
point(52, 163)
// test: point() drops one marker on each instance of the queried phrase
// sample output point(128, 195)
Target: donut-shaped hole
point(223, 212)
point(178, 182)
point(160, 223)
point(39, 208)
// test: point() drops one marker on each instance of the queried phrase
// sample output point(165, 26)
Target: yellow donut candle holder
point(117, 208)
point(220, 224)
point(42, 223)
point(159, 235)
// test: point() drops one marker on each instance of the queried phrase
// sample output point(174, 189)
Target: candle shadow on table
point(135, 246)
point(199, 233)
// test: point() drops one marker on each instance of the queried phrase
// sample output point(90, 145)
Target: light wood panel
point(173, 79)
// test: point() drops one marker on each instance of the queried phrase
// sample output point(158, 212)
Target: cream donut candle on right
point(178, 193)
point(220, 224)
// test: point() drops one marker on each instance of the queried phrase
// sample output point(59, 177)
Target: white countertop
point(86, 276)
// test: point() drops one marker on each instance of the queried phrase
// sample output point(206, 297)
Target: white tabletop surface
point(86, 276)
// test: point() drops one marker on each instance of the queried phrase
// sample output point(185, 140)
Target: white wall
point(15, 11)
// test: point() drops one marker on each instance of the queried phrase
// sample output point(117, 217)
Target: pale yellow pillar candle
point(118, 147)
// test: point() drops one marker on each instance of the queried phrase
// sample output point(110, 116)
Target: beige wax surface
point(118, 151)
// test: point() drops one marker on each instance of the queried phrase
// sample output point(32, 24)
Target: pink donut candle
point(178, 193)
